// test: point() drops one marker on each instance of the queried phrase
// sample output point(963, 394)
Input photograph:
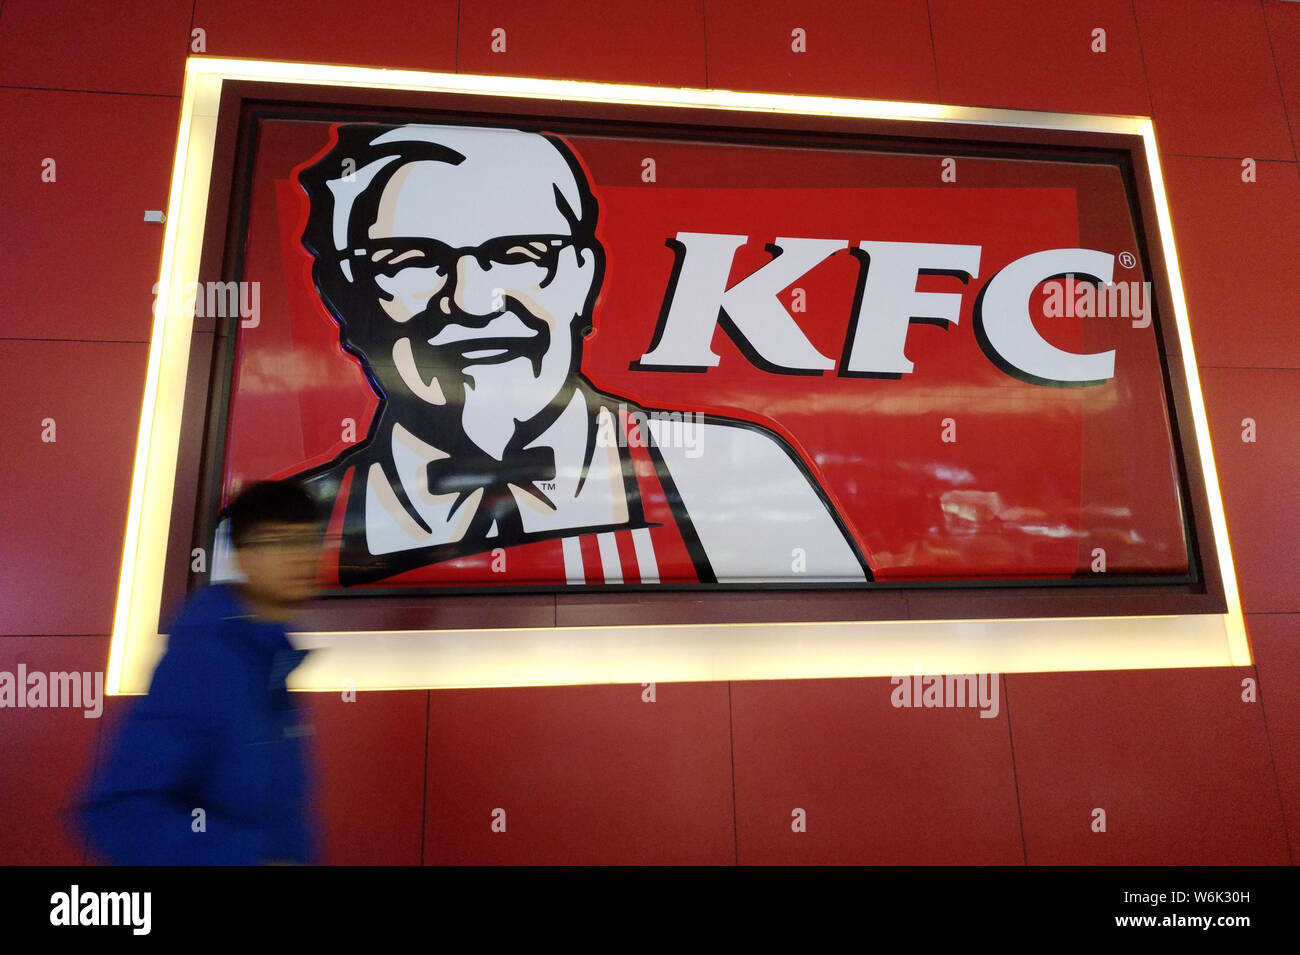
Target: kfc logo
point(462, 267)
point(887, 303)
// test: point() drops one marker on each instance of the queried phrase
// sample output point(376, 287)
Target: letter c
point(1005, 330)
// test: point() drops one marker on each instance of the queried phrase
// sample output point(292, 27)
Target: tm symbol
point(546, 485)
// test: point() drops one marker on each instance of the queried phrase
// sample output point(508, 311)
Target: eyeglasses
point(391, 256)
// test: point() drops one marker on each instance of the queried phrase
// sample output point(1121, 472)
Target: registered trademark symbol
point(1127, 259)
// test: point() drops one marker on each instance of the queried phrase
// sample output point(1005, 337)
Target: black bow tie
point(465, 473)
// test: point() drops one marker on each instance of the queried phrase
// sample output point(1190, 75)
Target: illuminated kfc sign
point(518, 347)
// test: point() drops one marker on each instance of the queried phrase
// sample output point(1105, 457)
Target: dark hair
point(269, 502)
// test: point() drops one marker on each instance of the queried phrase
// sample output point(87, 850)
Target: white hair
point(497, 151)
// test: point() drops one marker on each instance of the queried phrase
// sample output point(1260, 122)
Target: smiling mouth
point(489, 351)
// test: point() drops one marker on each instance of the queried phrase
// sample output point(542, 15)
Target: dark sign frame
point(199, 466)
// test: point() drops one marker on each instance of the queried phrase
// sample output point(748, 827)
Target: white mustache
point(505, 326)
point(404, 362)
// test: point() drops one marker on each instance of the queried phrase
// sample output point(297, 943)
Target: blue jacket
point(218, 732)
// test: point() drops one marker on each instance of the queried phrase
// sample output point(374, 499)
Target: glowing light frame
point(624, 654)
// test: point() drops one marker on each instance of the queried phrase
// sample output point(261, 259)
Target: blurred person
point(211, 768)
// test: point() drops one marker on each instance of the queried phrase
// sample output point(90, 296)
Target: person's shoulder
point(206, 605)
point(197, 656)
point(202, 626)
point(208, 640)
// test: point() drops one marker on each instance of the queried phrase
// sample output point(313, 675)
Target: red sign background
point(1037, 476)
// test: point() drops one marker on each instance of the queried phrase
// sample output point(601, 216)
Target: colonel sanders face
point(470, 270)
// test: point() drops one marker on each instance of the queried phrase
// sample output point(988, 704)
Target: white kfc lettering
point(697, 302)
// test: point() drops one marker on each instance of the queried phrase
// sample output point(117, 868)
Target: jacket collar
point(267, 637)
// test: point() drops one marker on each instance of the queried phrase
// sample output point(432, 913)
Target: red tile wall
point(1185, 769)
